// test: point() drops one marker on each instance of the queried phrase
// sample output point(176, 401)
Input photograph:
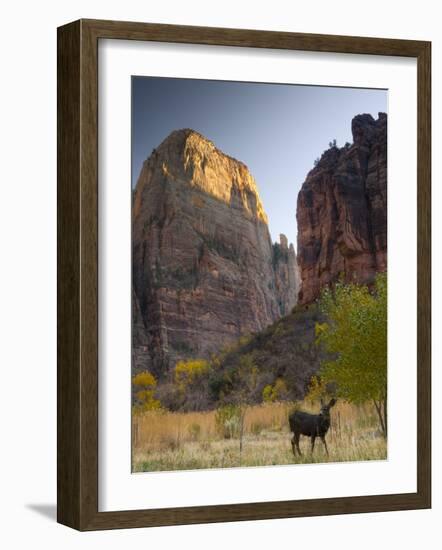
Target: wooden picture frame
point(77, 459)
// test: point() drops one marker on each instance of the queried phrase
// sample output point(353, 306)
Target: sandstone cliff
point(204, 269)
point(342, 211)
point(287, 278)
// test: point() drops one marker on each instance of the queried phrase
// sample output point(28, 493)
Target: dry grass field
point(164, 441)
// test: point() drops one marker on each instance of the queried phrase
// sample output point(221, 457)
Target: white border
point(118, 488)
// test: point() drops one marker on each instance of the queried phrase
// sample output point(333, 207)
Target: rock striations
point(287, 279)
point(342, 211)
point(204, 268)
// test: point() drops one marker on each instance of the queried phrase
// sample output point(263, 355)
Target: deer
point(312, 425)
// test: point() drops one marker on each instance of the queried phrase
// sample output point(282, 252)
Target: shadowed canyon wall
point(342, 211)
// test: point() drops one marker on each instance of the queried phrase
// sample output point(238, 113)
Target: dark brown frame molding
point(77, 224)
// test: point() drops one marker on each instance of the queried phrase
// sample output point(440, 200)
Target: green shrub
point(275, 392)
point(228, 421)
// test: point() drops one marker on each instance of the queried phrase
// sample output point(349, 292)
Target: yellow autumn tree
point(355, 336)
point(275, 392)
point(189, 372)
point(144, 385)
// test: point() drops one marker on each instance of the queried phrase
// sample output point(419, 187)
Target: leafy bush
point(144, 385)
point(187, 372)
point(275, 392)
point(191, 382)
point(355, 334)
point(228, 421)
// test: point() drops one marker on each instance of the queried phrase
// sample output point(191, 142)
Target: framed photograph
point(243, 275)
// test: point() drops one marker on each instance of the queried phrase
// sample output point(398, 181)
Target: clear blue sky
point(277, 130)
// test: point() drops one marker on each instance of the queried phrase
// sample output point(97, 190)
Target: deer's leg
point(296, 437)
point(325, 443)
point(313, 442)
point(292, 441)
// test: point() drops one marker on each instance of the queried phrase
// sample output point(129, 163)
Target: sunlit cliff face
point(204, 268)
point(207, 168)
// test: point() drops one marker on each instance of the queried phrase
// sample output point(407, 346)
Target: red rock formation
point(342, 211)
point(203, 265)
point(287, 278)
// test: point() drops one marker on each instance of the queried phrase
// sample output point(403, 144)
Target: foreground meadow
point(164, 441)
